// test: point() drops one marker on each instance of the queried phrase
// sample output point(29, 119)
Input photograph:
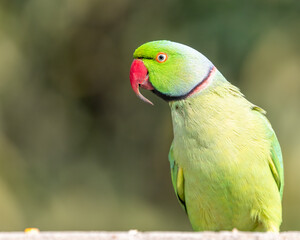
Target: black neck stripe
point(169, 98)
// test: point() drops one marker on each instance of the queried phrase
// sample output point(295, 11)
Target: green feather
point(226, 162)
point(177, 179)
point(275, 161)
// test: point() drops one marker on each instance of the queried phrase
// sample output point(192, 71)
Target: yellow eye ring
point(161, 57)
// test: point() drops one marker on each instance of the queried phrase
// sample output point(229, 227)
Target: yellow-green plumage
point(223, 145)
point(226, 162)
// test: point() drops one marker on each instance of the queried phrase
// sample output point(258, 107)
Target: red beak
point(139, 78)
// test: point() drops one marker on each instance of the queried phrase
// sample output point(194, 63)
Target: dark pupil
point(161, 57)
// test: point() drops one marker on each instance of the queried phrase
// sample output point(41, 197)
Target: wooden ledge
point(135, 235)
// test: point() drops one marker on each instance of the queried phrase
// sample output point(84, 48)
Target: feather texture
point(231, 160)
point(226, 162)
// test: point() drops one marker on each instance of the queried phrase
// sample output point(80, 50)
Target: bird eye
point(161, 57)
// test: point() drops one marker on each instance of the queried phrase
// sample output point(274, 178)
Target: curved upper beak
point(139, 78)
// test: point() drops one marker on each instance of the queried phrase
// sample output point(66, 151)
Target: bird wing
point(275, 160)
point(177, 179)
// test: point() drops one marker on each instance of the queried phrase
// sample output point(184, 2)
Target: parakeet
point(226, 161)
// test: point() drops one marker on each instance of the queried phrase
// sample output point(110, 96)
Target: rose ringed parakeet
point(226, 162)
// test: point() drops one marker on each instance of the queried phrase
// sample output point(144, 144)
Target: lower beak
point(139, 78)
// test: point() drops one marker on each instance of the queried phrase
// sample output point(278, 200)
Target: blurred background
point(78, 149)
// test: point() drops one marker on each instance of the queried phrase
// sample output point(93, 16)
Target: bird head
point(172, 71)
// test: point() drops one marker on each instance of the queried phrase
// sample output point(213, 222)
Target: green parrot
point(226, 162)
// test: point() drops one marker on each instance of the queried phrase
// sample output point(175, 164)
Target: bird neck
point(205, 112)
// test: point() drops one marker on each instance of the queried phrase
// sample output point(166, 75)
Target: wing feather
point(275, 160)
point(177, 179)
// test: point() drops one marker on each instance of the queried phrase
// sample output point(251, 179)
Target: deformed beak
point(139, 78)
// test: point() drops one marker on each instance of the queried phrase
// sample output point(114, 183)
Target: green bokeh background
point(79, 151)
